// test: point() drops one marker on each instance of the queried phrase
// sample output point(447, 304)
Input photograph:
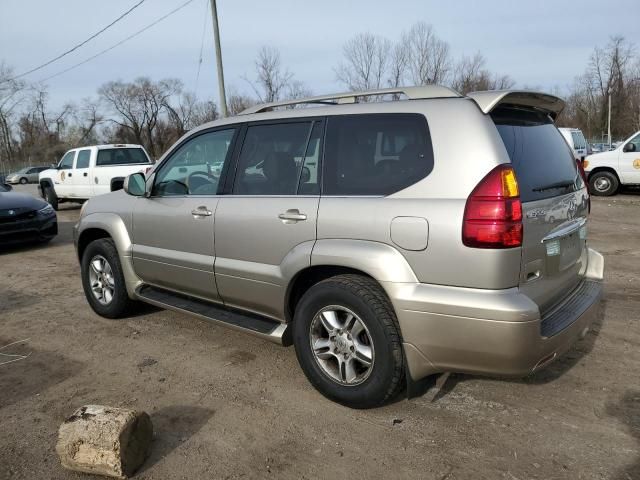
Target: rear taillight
point(493, 214)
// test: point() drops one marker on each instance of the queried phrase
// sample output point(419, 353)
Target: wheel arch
point(603, 169)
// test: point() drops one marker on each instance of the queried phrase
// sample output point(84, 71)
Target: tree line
point(156, 113)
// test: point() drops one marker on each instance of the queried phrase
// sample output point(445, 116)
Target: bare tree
point(366, 59)
point(429, 56)
point(471, 74)
point(12, 94)
point(272, 78)
point(139, 107)
point(399, 62)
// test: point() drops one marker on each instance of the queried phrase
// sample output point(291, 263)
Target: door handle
point(85, 174)
point(69, 174)
point(201, 211)
point(292, 216)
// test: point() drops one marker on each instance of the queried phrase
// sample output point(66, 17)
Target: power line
point(117, 44)
point(204, 29)
point(80, 44)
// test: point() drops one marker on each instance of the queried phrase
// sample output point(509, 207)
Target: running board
point(251, 323)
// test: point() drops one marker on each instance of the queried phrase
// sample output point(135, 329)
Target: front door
point(63, 182)
point(266, 225)
point(173, 228)
point(629, 164)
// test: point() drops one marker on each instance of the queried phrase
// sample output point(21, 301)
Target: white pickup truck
point(608, 170)
point(85, 172)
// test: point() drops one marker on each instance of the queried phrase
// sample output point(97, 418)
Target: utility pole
point(609, 121)
point(216, 39)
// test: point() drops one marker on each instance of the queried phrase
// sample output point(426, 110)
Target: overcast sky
point(538, 43)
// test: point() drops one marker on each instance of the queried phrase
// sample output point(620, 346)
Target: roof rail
point(413, 93)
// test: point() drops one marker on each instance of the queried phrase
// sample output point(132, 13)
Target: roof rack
point(413, 93)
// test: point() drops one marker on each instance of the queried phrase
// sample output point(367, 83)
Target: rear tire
point(51, 197)
point(359, 366)
point(108, 277)
point(603, 184)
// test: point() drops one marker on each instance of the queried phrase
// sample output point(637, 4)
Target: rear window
point(376, 154)
point(539, 154)
point(120, 156)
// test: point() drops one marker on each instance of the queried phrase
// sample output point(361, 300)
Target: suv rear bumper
point(492, 332)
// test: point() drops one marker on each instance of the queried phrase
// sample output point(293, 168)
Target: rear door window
point(120, 156)
point(377, 154)
point(538, 152)
point(272, 158)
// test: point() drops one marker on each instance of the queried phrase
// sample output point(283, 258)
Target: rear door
point(269, 215)
point(81, 180)
point(554, 204)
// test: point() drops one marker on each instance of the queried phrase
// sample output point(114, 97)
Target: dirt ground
point(227, 405)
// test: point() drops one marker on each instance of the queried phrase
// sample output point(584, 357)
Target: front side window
point(120, 156)
point(376, 154)
point(272, 158)
point(83, 159)
point(195, 167)
point(635, 141)
point(67, 161)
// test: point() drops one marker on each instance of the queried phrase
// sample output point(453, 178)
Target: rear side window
point(120, 156)
point(272, 158)
point(83, 159)
point(376, 154)
point(543, 163)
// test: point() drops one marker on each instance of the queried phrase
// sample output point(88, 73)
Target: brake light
point(493, 213)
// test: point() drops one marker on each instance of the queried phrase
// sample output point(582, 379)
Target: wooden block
point(105, 440)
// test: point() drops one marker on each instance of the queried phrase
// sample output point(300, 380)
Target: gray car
point(25, 175)
point(386, 240)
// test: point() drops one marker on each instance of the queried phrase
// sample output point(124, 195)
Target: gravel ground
point(227, 405)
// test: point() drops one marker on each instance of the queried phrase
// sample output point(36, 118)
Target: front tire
point(23, 181)
point(603, 184)
point(51, 197)
point(348, 342)
point(103, 281)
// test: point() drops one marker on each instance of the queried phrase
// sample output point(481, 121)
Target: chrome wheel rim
point(341, 345)
point(602, 184)
point(101, 280)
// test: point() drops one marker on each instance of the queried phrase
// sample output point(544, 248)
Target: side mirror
point(629, 147)
point(305, 175)
point(134, 184)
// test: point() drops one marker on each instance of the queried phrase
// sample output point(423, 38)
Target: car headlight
point(47, 210)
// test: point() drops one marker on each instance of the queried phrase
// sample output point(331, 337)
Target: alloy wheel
point(341, 345)
point(101, 279)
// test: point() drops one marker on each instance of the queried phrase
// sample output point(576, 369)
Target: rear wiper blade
point(551, 186)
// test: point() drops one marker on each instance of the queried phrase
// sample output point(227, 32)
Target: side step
point(254, 324)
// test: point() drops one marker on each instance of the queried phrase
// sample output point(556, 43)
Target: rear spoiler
point(489, 100)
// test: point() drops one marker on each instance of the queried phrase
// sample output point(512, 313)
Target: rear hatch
point(554, 204)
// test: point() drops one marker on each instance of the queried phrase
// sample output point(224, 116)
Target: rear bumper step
point(560, 318)
point(250, 323)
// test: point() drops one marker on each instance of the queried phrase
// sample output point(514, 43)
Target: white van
point(606, 171)
point(576, 141)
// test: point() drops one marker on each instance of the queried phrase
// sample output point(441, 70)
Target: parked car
point(606, 171)
point(25, 175)
point(417, 251)
point(24, 218)
point(85, 172)
point(575, 139)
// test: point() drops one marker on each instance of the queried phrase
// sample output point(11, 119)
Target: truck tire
point(50, 196)
point(348, 342)
point(603, 183)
